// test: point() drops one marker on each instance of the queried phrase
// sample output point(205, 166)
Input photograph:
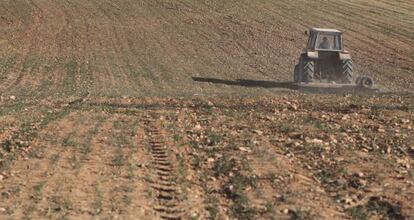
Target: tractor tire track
point(168, 196)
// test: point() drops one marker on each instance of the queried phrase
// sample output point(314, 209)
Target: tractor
point(325, 60)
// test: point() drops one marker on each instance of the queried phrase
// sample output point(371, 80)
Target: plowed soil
point(184, 110)
point(115, 48)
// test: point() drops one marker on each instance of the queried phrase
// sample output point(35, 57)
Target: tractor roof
point(325, 30)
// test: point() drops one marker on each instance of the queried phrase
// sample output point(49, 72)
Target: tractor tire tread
point(347, 70)
point(308, 70)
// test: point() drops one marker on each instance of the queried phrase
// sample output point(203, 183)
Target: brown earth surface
point(185, 110)
point(114, 48)
point(282, 157)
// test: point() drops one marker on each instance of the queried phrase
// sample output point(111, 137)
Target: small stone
point(218, 155)
point(373, 189)
point(339, 159)
point(2, 209)
point(285, 211)
point(260, 208)
point(295, 135)
point(244, 149)
point(313, 141)
point(293, 107)
point(354, 198)
point(381, 130)
point(348, 201)
point(12, 97)
point(197, 127)
point(389, 150)
point(258, 132)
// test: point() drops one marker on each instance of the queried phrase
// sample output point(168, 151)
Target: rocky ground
point(289, 156)
point(185, 109)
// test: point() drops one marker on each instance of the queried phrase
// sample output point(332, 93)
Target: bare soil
point(115, 48)
point(284, 156)
point(185, 110)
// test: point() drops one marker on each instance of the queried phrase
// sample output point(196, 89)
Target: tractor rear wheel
point(308, 69)
point(347, 70)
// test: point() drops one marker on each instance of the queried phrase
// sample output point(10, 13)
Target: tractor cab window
point(328, 42)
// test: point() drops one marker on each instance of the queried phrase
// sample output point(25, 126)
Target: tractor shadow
point(248, 83)
point(315, 88)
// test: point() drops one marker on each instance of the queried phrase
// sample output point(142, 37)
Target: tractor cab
point(325, 40)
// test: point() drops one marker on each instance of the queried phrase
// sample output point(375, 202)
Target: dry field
point(140, 48)
point(281, 157)
point(184, 109)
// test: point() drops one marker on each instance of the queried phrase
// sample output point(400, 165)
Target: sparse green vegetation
point(213, 138)
point(212, 206)
point(119, 159)
point(329, 174)
point(97, 204)
point(286, 127)
point(6, 161)
point(236, 184)
point(69, 142)
point(60, 205)
point(235, 165)
point(54, 158)
point(358, 213)
point(6, 63)
point(74, 161)
point(150, 193)
point(177, 138)
point(38, 189)
point(71, 70)
point(49, 117)
point(300, 214)
point(84, 83)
